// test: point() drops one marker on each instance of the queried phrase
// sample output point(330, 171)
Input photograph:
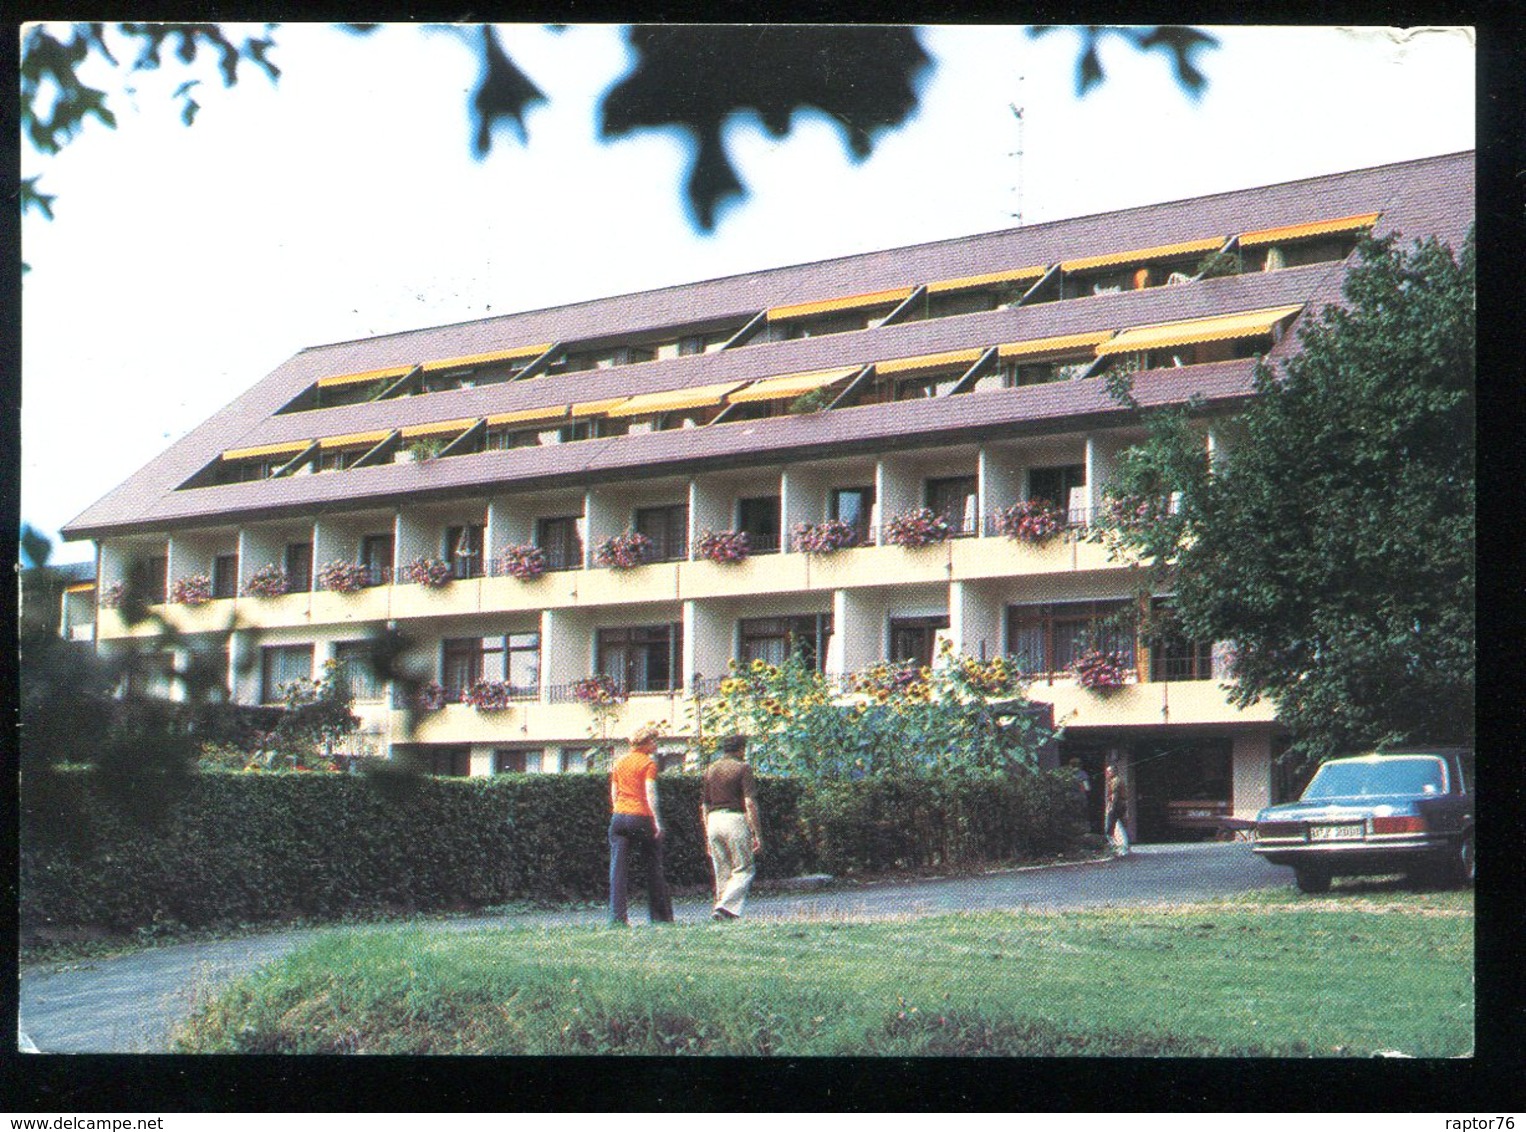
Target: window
point(460, 665)
point(156, 577)
point(1055, 485)
point(515, 659)
point(299, 566)
point(225, 575)
point(954, 499)
point(463, 550)
point(528, 761)
point(560, 542)
point(281, 665)
point(964, 302)
point(352, 660)
point(927, 385)
point(915, 638)
point(1172, 655)
point(449, 762)
point(854, 506)
point(152, 674)
point(1046, 639)
point(573, 760)
point(643, 658)
point(772, 639)
point(759, 517)
point(376, 554)
point(1016, 373)
point(668, 528)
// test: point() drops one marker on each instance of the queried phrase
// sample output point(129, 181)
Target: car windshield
point(1390, 776)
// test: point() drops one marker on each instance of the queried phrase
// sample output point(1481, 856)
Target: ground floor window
point(573, 760)
point(449, 762)
point(642, 658)
point(772, 639)
point(1046, 639)
point(915, 639)
point(281, 665)
point(526, 761)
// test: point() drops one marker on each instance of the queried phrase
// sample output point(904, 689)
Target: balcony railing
point(377, 574)
point(569, 693)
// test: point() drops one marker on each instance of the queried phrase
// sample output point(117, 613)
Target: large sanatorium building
point(963, 376)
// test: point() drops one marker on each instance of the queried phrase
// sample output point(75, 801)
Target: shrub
point(623, 551)
point(824, 537)
point(522, 561)
point(267, 581)
point(240, 848)
point(431, 573)
point(193, 589)
point(913, 529)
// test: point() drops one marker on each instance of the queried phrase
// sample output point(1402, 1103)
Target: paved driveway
point(131, 1004)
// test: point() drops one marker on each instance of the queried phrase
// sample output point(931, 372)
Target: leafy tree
point(1333, 543)
point(693, 77)
point(962, 716)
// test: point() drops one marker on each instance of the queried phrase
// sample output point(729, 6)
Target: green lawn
point(1271, 975)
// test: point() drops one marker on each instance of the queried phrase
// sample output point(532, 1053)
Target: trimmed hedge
point(236, 848)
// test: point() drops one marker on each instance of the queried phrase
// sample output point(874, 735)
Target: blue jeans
point(626, 830)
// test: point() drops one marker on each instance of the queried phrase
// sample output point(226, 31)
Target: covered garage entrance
point(1183, 787)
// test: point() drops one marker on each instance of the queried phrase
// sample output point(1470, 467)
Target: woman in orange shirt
point(636, 820)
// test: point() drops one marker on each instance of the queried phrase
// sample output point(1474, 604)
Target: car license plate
point(1335, 833)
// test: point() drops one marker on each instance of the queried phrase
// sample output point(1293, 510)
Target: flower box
point(431, 573)
point(1101, 671)
point(342, 577)
point(913, 529)
point(723, 546)
point(598, 691)
point(193, 590)
point(267, 581)
point(824, 537)
point(492, 695)
point(1032, 521)
point(522, 561)
point(623, 551)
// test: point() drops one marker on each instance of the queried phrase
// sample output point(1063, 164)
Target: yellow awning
point(491, 356)
point(1059, 344)
point(527, 416)
point(1302, 231)
point(439, 428)
point(352, 439)
point(1141, 255)
point(594, 408)
point(1249, 324)
point(791, 384)
point(691, 398)
point(285, 448)
point(79, 588)
point(368, 375)
point(925, 362)
point(971, 282)
point(846, 303)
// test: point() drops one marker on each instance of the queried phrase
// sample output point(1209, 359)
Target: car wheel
point(1312, 881)
point(1460, 863)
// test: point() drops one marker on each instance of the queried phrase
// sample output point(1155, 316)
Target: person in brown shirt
point(728, 809)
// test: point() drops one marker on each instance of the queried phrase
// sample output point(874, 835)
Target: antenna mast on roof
point(1017, 112)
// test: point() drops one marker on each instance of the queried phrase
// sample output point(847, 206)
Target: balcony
point(1145, 705)
point(535, 722)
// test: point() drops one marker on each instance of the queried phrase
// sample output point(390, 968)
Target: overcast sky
point(186, 263)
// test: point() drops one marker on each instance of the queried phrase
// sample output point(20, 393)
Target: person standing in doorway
point(728, 809)
point(1115, 825)
point(637, 821)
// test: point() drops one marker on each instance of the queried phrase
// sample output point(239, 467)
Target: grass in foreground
point(1240, 978)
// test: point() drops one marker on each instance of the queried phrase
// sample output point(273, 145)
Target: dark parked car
point(1409, 812)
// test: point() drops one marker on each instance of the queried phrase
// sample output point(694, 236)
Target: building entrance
point(1183, 788)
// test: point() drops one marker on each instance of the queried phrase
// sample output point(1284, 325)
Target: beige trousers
point(731, 858)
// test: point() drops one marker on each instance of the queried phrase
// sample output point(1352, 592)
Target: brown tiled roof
point(1429, 196)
